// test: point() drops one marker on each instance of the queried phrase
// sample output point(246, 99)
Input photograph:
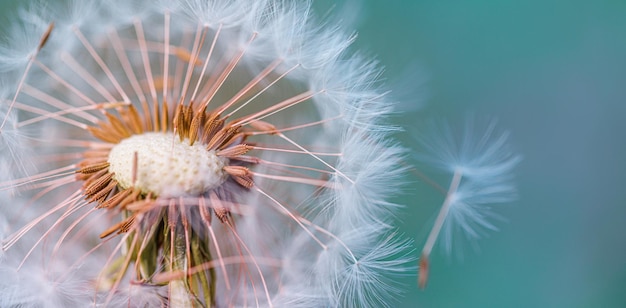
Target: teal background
point(554, 74)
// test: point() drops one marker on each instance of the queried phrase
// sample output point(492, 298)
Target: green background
point(554, 74)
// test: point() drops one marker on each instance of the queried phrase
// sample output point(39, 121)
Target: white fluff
point(342, 252)
point(485, 162)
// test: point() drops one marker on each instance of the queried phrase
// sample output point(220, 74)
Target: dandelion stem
point(256, 264)
point(198, 41)
point(434, 232)
point(45, 113)
point(42, 42)
point(58, 115)
point(206, 216)
point(19, 88)
point(317, 158)
point(292, 179)
point(179, 292)
point(80, 70)
point(226, 72)
point(255, 81)
point(166, 54)
point(206, 64)
point(294, 151)
point(278, 107)
point(55, 102)
point(293, 217)
point(286, 129)
point(105, 68)
point(128, 68)
point(65, 83)
point(428, 180)
point(141, 39)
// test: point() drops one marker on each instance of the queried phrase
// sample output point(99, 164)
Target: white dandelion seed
point(15, 159)
point(196, 153)
point(480, 163)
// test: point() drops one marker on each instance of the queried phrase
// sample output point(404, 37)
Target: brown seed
point(194, 128)
point(423, 272)
point(93, 168)
point(46, 36)
point(224, 135)
point(263, 126)
point(103, 193)
point(234, 151)
point(98, 185)
point(115, 199)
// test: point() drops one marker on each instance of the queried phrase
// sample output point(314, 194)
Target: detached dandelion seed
point(197, 153)
point(481, 168)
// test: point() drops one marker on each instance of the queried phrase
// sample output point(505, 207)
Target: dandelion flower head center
point(166, 166)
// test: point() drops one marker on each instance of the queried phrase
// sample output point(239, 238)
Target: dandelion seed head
point(17, 49)
point(210, 153)
point(215, 13)
point(481, 164)
point(16, 158)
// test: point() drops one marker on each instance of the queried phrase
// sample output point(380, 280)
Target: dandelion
point(481, 171)
point(195, 153)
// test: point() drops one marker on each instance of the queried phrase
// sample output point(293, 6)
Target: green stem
point(179, 289)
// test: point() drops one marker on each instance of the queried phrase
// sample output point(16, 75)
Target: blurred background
point(553, 72)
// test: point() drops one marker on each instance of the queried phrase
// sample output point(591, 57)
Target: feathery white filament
point(166, 166)
point(291, 239)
